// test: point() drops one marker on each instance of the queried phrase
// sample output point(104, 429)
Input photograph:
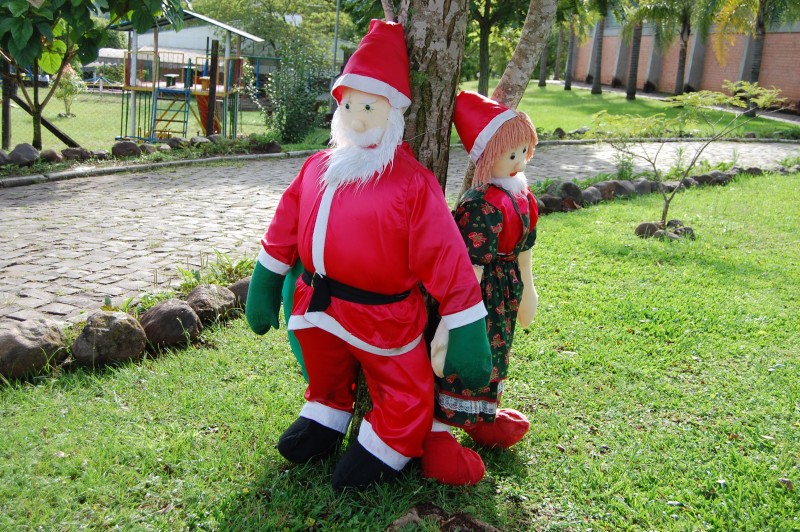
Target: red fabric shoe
point(508, 428)
point(445, 460)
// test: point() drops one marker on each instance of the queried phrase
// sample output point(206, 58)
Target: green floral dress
point(496, 227)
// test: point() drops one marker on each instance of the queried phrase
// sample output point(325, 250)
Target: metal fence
point(98, 118)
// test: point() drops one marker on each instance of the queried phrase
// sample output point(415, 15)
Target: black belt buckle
point(321, 294)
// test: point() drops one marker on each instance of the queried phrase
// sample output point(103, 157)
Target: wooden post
point(60, 135)
point(212, 87)
point(8, 91)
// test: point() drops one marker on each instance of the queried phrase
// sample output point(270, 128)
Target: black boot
point(306, 441)
point(359, 468)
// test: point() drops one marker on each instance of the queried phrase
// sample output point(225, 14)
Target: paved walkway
point(65, 246)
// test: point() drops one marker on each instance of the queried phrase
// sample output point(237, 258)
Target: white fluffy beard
point(356, 157)
point(516, 184)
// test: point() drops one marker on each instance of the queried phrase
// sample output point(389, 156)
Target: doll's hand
point(263, 299)
point(469, 355)
point(530, 298)
point(439, 349)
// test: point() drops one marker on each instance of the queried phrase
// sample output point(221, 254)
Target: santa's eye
point(524, 150)
point(368, 107)
point(347, 106)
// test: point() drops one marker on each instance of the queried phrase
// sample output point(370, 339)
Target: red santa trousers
point(401, 388)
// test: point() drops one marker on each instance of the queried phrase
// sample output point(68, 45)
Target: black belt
point(325, 288)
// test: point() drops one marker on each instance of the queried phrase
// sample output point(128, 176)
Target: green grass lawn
point(661, 380)
point(551, 107)
point(97, 121)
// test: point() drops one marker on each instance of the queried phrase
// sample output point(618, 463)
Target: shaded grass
point(660, 379)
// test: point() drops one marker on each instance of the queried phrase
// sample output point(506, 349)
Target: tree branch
point(388, 10)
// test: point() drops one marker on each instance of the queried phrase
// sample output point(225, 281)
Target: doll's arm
point(442, 336)
point(530, 299)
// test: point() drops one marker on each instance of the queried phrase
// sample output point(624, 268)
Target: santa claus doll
point(497, 219)
point(369, 224)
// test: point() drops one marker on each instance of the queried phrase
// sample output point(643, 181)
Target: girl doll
point(497, 218)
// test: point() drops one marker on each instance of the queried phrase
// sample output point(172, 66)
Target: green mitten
point(469, 355)
point(263, 299)
point(288, 303)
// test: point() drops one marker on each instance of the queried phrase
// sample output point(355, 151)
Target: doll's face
point(512, 161)
point(364, 113)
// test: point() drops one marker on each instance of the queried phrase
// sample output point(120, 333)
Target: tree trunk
point(388, 10)
point(570, 57)
point(435, 38)
point(758, 52)
point(485, 29)
point(598, 54)
point(559, 46)
point(758, 43)
point(8, 85)
point(543, 69)
point(685, 32)
point(37, 109)
point(633, 70)
point(532, 42)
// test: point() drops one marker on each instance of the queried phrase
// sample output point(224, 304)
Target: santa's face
point(363, 117)
point(512, 161)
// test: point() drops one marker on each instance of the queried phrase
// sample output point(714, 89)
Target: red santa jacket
point(385, 236)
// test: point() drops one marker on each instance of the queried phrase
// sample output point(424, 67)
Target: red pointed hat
point(477, 119)
point(379, 65)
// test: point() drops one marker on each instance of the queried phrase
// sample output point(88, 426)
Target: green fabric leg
point(288, 302)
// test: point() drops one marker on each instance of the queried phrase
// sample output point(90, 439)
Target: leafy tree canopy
point(283, 21)
point(48, 31)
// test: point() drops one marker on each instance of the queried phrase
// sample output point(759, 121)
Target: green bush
point(69, 86)
point(294, 92)
point(111, 72)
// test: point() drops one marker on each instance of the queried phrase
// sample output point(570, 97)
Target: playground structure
point(167, 91)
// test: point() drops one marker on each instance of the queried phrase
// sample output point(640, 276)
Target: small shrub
point(293, 92)
point(261, 142)
point(790, 161)
point(624, 163)
point(224, 271)
point(69, 86)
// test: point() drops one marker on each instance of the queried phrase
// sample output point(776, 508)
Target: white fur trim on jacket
point(329, 324)
point(466, 316)
point(272, 264)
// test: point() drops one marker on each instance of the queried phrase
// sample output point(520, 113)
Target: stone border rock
point(16, 181)
point(25, 155)
point(112, 337)
point(565, 195)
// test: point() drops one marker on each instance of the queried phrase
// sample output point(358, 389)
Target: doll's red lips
point(512, 174)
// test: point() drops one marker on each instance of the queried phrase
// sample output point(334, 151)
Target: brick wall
point(669, 67)
point(610, 51)
point(714, 71)
point(582, 61)
point(644, 59)
point(780, 65)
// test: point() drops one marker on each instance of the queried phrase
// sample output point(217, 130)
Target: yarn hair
point(512, 133)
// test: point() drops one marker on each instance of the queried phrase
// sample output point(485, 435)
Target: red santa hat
point(477, 119)
point(379, 65)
